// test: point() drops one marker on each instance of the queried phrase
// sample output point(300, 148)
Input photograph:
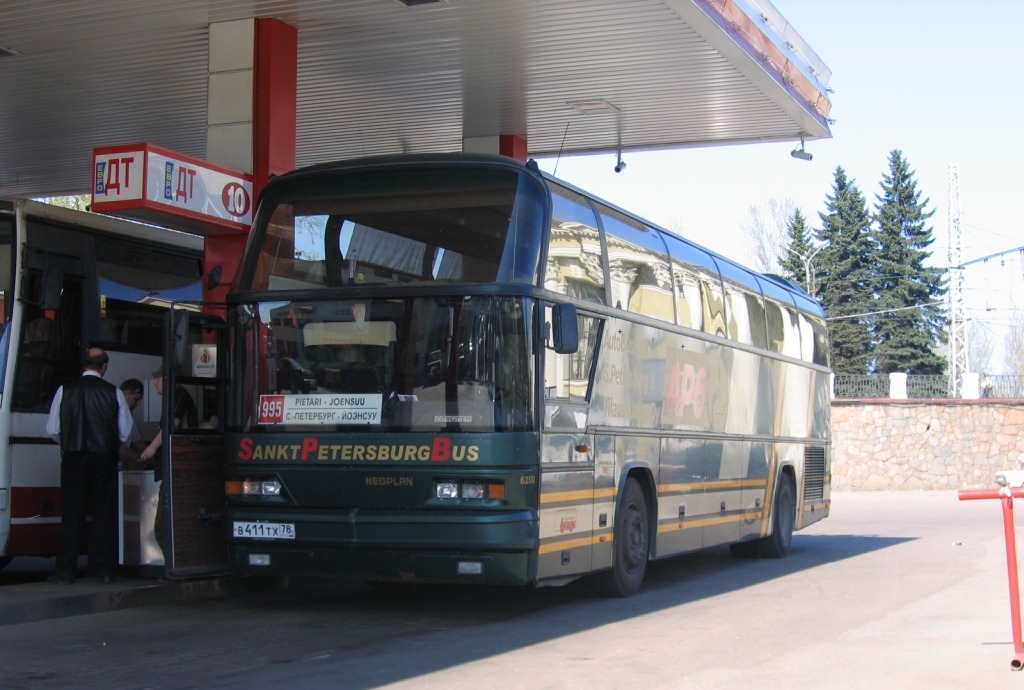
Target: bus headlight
point(447, 489)
point(470, 489)
point(473, 490)
point(253, 487)
point(270, 488)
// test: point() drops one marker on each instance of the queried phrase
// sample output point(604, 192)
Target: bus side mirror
point(565, 329)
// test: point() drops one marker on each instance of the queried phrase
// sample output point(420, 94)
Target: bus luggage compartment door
point(195, 506)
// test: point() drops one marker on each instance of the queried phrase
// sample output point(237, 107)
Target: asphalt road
point(894, 590)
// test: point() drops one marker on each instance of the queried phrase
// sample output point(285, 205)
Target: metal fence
point(1006, 387)
point(930, 387)
point(861, 386)
point(878, 386)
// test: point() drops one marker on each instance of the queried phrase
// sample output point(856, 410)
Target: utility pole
point(810, 275)
point(957, 313)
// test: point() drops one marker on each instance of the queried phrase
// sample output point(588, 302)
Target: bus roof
point(110, 225)
point(751, 279)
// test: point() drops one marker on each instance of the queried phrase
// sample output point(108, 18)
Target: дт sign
point(137, 178)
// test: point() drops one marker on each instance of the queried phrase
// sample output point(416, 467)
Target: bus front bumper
point(494, 548)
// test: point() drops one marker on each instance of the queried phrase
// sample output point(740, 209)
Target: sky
point(934, 79)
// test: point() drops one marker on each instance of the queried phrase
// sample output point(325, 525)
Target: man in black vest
point(91, 420)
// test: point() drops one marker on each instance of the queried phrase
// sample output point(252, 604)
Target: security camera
point(800, 152)
point(620, 164)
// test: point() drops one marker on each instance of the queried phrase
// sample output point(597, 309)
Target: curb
point(29, 603)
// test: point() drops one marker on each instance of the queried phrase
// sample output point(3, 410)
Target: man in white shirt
point(90, 419)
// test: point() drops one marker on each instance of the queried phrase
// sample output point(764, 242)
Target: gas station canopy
point(390, 76)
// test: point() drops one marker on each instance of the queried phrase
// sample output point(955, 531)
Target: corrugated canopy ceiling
point(379, 77)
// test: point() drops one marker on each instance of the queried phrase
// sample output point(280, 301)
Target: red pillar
point(275, 93)
point(512, 146)
point(275, 88)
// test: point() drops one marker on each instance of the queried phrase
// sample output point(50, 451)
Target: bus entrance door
point(194, 398)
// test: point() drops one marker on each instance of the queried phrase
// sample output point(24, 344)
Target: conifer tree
point(908, 333)
point(796, 263)
point(844, 275)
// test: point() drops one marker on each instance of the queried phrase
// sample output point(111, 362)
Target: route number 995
point(271, 409)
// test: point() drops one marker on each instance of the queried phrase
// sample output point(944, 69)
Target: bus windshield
point(413, 364)
point(399, 226)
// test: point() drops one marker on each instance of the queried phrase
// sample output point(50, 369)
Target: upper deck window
point(694, 271)
point(401, 226)
point(641, 280)
point(575, 258)
point(744, 305)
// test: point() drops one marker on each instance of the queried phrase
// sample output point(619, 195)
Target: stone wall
point(924, 444)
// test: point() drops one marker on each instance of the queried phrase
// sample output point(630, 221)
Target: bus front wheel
point(630, 547)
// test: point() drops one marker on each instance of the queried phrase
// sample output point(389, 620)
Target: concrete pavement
point(893, 590)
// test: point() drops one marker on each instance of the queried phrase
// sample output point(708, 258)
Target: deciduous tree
point(765, 231)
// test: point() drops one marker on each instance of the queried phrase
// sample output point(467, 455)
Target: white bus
point(70, 280)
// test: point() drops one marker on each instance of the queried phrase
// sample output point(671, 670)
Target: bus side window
point(639, 274)
point(736, 317)
point(135, 285)
point(755, 310)
point(821, 354)
point(791, 345)
point(568, 376)
point(713, 300)
point(692, 306)
point(776, 326)
point(35, 374)
point(744, 308)
point(689, 307)
point(575, 260)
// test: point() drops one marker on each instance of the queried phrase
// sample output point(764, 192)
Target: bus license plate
point(264, 530)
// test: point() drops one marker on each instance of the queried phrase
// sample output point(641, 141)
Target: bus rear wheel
point(776, 544)
point(630, 547)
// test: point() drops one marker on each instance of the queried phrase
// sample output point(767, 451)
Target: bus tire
point(776, 544)
point(5, 561)
point(631, 545)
